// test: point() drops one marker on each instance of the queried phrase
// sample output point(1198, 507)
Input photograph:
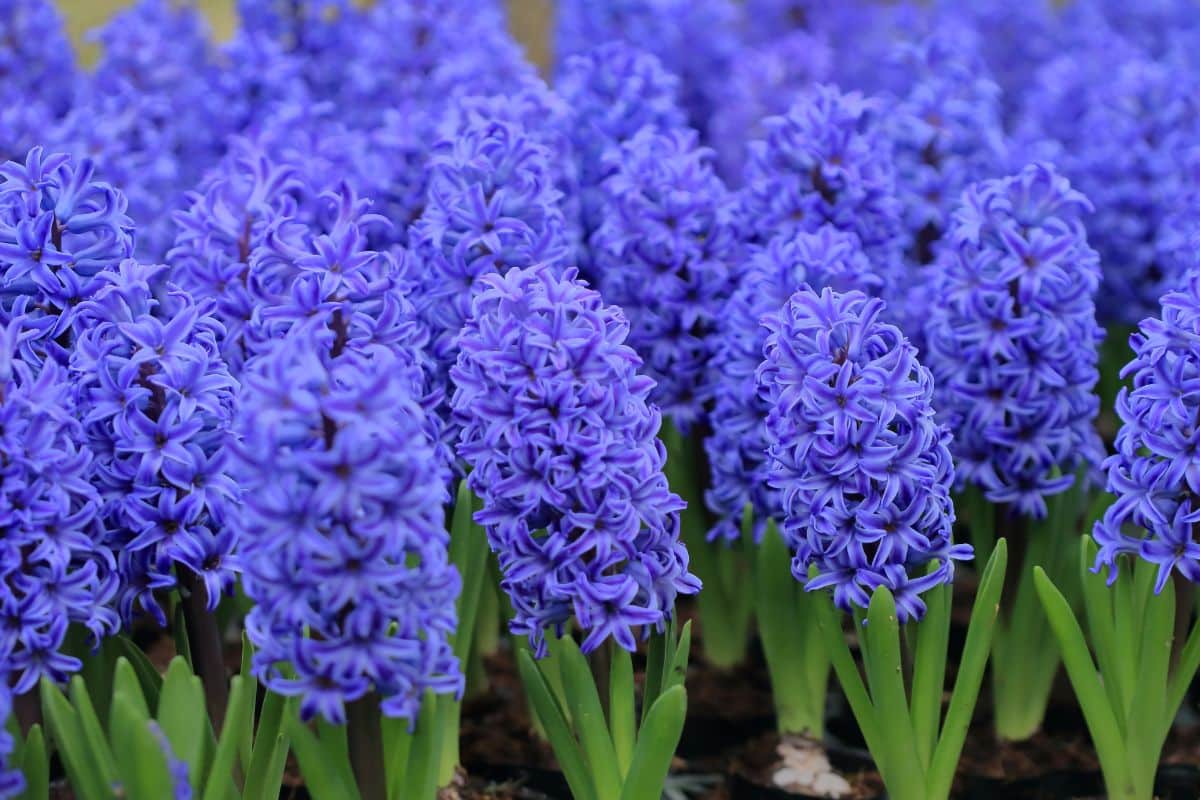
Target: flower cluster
point(318, 32)
point(563, 450)
point(229, 218)
point(764, 82)
point(737, 448)
point(491, 205)
point(946, 129)
point(1124, 149)
point(863, 469)
point(342, 531)
point(156, 401)
point(663, 253)
point(694, 39)
point(39, 76)
point(53, 571)
point(148, 115)
point(59, 229)
point(614, 90)
point(1152, 472)
point(825, 162)
point(1012, 338)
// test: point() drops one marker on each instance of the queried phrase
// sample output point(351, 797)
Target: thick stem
point(363, 730)
point(207, 645)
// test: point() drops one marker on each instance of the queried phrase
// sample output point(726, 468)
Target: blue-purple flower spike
point(59, 228)
point(737, 448)
point(863, 468)
point(54, 571)
point(491, 205)
point(156, 400)
point(342, 533)
point(1152, 473)
point(614, 90)
point(825, 162)
point(664, 254)
point(39, 74)
point(1012, 338)
point(564, 453)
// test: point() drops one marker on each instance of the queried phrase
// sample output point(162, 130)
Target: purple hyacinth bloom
point(826, 162)
point(53, 572)
point(39, 74)
point(763, 82)
point(156, 400)
point(491, 205)
point(563, 449)
point(59, 228)
point(737, 448)
point(946, 129)
point(342, 538)
point(1153, 472)
point(148, 116)
point(696, 40)
point(663, 254)
point(1012, 338)
point(863, 468)
point(1134, 121)
point(319, 33)
point(614, 90)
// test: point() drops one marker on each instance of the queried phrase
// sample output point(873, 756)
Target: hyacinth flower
point(39, 74)
point(614, 90)
point(865, 474)
point(148, 116)
point(563, 449)
point(764, 82)
point(1144, 647)
point(344, 553)
point(828, 161)
point(1121, 125)
point(156, 400)
point(491, 205)
point(56, 570)
point(740, 494)
point(59, 229)
point(1012, 342)
point(696, 40)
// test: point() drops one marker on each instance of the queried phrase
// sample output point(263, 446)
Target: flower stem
point(207, 645)
point(363, 728)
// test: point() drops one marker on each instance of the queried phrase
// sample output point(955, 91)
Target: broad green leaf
point(554, 723)
point(66, 732)
point(657, 741)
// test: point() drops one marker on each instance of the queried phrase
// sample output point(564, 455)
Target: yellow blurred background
point(529, 19)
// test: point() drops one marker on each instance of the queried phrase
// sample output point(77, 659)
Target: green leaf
point(35, 764)
point(1098, 605)
point(147, 675)
point(183, 716)
point(397, 743)
point(183, 647)
point(219, 784)
point(1149, 720)
point(885, 676)
point(423, 758)
point(126, 684)
point(830, 620)
point(145, 772)
point(554, 723)
point(656, 746)
point(325, 778)
point(587, 717)
point(929, 671)
point(1098, 713)
point(67, 734)
point(622, 712)
point(264, 776)
point(93, 732)
point(677, 670)
point(971, 666)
